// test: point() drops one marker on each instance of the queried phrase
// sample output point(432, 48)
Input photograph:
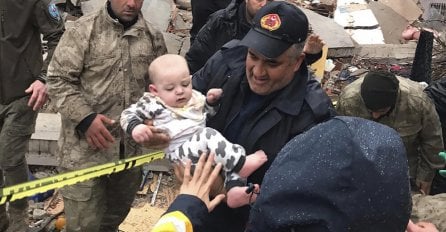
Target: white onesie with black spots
point(186, 128)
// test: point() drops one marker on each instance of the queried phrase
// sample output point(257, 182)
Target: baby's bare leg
point(252, 163)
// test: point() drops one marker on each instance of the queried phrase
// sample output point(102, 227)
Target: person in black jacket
point(234, 22)
point(23, 91)
point(201, 9)
point(437, 92)
point(268, 94)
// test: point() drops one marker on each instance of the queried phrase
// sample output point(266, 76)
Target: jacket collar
point(133, 30)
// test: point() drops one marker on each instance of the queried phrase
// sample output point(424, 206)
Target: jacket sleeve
point(431, 139)
point(311, 58)
point(64, 76)
point(202, 78)
point(186, 214)
point(204, 45)
point(51, 26)
point(145, 108)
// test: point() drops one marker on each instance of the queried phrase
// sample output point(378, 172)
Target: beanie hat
point(379, 90)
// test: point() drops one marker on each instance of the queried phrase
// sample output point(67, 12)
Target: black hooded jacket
point(221, 27)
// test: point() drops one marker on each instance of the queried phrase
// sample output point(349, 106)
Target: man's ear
point(152, 89)
point(299, 60)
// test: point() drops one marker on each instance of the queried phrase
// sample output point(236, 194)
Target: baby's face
point(175, 90)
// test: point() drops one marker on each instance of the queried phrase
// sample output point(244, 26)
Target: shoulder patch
point(53, 12)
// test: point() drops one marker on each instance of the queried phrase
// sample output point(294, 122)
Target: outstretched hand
point(200, 183)
point(313, 45)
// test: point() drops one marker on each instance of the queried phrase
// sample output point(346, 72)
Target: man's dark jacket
point(221, 27)
point(285, 113)
point(21, 61)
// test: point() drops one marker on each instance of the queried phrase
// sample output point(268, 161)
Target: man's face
point(126, 10)
point(252, 6)
point(175, 90)
point(266, 75)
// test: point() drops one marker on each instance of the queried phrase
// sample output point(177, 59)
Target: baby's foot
point(252, 163)
point(237, 196)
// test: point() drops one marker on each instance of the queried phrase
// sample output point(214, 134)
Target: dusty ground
point(143, 216)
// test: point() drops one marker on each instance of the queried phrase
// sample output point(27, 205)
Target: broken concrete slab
point(388, 51)
point(392, 24)
point(158, 12)
point(367, 36)
point(357, 18)
point(47, 126)
point(185, 47)
point(332, 33)
point(173, 43)
point(407, 9)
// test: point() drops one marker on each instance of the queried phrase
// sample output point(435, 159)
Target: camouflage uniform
point(413, 117)
point(21, 64)
point(430, 209)
point(100, 68)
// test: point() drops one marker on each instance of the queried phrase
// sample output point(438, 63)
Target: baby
point(179, 110)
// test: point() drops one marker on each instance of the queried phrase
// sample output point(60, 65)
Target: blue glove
point(443, 155)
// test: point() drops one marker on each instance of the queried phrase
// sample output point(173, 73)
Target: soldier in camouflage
point(22, 90)
point(98, 70)
point(402, 105)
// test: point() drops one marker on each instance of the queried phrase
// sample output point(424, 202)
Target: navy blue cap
point(276, 27)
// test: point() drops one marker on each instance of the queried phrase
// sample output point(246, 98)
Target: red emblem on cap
point(270, 22)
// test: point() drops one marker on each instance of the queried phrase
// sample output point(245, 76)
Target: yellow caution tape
point(16, 192)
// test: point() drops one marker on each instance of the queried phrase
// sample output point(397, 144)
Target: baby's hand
point(141, 133)
point(314, 44)
point(213, 95)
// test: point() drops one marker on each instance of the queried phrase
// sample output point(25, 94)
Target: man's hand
point(159, 140)
point(98, 135)
point(421, 227)
point(313, 45)
point(39, 95)
point(200, 183)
